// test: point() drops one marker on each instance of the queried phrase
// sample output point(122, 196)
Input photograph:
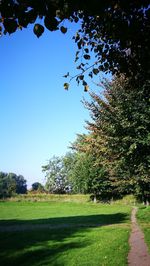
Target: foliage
point(56, 176)
point(113, 159)
point(11, 184)
point(116, 32)
point(47, 197)
point(120, 130)
point(78, 172)
point(38, 187)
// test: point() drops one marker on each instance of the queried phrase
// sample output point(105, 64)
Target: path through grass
point(143, 217)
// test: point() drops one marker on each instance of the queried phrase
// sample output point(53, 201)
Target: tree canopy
point(120, 136)
point(113, 158)
point(11, 184)
point(117, 32)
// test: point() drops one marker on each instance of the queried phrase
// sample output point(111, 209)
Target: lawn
point(143, 217)
point(65, 234)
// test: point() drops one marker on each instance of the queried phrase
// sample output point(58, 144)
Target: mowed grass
point(65, 234)
point(143, 217)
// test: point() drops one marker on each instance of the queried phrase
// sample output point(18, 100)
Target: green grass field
point(143, 217)
point(65, 234)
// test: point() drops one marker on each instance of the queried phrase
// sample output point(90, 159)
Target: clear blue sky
point(38, 118)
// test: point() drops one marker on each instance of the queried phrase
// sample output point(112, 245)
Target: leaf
point(76, 19)
point(38, 30)
point(84, 83)
point(86, 88)
point(63, 29)
point(91, 75)
point(66, 76)
point(81, 77)
point(10, 25)
point(95, 71)
point(66, 86)
point(86, 50)
point(86, 56)
point(51, 23)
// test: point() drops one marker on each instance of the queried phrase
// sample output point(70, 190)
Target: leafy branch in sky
point(116, 32)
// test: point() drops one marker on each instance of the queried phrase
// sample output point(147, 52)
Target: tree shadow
point(42, 241)
point(85, 220)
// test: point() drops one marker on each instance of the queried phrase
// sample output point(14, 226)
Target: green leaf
point(95, 71)
point(81, 77)
point(86, 56)
point(66, 76)
point(66, 86)
point(63, 29)
point(38, 30)
point(86, 50)
point(86, 88)
point(84, 83)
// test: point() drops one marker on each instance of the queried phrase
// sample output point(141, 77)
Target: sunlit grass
point(93, 234)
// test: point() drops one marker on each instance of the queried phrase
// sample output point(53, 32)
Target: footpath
point(138, 255)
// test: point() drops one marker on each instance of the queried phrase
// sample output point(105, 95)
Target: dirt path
point(138, 255)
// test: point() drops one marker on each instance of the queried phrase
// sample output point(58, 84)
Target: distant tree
point(88, 173)
point(21, 185)
point(79, 174)
point(117, 32)
point(37, 187)
point(56, 176)
point(11, 184)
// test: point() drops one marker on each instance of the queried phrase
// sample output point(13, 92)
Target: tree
point(117, 32)
point(38, 187)
point(89, 172)
point(56, 176)
point(121, 129)
point(7, 185)
point(79, 174)
point(21, 186)
point(11, 184)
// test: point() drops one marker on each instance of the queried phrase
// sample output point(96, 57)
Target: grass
point(143, 217)
point(30, 196)
point(73, 236)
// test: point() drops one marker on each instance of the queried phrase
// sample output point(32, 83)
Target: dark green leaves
point(117, 34)
point(51, 23)
point(87, 57)
point(95, 71)
point(66, 86)
point(63, 29)
point(10, 25)
point(38, 30)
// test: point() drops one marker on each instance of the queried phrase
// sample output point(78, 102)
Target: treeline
point(113, 159)
point(12, 184)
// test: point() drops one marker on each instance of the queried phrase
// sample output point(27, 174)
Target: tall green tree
point(121, 120)
point(89, 173)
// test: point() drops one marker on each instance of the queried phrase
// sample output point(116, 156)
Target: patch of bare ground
point(138, 255)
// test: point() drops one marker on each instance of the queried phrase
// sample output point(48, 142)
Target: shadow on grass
point(86, 220)
point(44, 246)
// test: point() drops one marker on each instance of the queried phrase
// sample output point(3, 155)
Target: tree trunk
point(95, 200)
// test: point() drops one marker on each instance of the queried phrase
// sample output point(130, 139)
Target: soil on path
point(138, 255)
